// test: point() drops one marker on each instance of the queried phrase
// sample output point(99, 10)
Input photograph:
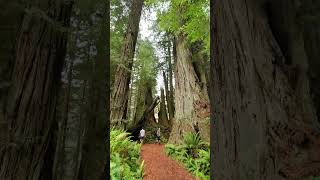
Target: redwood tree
point(120, 92)
point(188, 93)
point(263, 91)
point(38, 58)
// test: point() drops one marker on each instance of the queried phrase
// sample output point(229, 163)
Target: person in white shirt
point(158, 135)
point(142, 134)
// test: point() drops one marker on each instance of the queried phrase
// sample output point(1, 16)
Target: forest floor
point(158, 166)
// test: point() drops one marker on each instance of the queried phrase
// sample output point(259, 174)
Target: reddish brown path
point(158, 166)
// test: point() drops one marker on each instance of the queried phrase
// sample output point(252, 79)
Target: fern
point(125, 162)
point(193, 154)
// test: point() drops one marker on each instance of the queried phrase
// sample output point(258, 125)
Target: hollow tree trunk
point(39, 55)
point(264, 119)
point(187, 93)
point(119, 95)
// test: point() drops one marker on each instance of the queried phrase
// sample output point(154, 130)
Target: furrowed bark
point(119, 95)
point(39, 54)
point(95, 143)
point(264, 107)
point(188, 93)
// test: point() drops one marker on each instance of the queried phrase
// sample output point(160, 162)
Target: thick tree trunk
point(264, 121)
point(9, 27)
point(94, 154)
point(60, 159)
point(80, 133)
point(188, 92)
point(39, 54)
point(119, 94)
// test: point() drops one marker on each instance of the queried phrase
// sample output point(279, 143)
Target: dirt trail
point(158, 166)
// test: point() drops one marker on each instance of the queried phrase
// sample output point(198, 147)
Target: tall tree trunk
point(94, 154)
point(163, 117)
point(10, 21)
point(171, 94)
point(167, 96)
point(264, 118)
point(119, 94)
point(39, 55)
point(80, 133)
point(59, 163)
point(129, 110)
point(188, 92)
point(169, 84)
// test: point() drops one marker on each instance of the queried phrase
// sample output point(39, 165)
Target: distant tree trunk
point(129, 109)
point(174, 52)
point(163, 117)
point(119, 94)
point(167, 97)
point(188, 92)
point(169, 84)
point(171, 94)
point(264, 107)
point(172, 73)
point(144, 100)
point(39, 55)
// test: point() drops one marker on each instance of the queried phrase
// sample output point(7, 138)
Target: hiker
point(158, 135)
point(142, 134)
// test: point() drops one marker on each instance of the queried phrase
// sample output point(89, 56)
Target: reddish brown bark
point(120, 92)
point(264, 117)
point(39, 55)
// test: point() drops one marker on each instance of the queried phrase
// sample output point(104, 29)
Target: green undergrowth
point(313, 178)
point(125, 160)
point(194, 154)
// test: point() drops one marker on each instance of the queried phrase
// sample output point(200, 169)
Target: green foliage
point(193, 154)
point(188, 17)
point(124, 161)
point(146, 62)
point(118, 24)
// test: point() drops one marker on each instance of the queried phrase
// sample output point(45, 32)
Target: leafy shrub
point(124, 161)
point(193, 154)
